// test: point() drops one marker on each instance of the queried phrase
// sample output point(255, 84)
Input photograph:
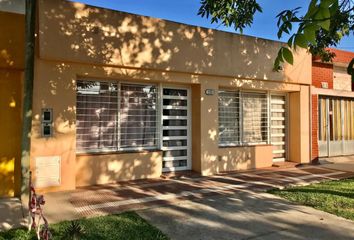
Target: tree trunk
point(27, 94)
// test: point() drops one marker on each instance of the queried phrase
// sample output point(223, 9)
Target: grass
point(125, 226)
point(336, 197)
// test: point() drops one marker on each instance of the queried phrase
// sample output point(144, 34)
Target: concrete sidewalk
point(135, 195)
point(11, 215)
point(148, 194)
point(345, 163)
point(246, 215)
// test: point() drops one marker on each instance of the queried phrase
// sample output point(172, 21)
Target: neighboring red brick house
point(332, 107)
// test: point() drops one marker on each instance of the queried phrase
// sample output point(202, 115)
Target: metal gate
point(176, 129)
point(278, 126)
point(335, 126)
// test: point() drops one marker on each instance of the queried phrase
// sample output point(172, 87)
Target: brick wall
point(322, 72)
point(314, 133)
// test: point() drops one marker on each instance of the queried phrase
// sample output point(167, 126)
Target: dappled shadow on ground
point(10, 213)
point(246, 215)
point(226, 201)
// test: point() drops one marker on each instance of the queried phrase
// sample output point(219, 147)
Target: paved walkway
point(246, 215)
point(345, 163)
point(150, 194)
point(11, 215)
point(135, 195)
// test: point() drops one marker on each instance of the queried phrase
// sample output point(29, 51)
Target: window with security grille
point(243, 118)
point(254, 117)
point(113, 116)
point(229, 118)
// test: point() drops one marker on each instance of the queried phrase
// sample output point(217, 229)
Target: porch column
point(299, 126)
point(209, 128)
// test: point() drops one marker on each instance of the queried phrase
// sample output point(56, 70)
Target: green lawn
point(123, 226)
point(336, 197)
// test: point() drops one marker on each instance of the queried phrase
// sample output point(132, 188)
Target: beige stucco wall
point(140, 49)
point(341, 79)
point(99, 36)
point(299, 126)
point(110, 168)
point(241, 158)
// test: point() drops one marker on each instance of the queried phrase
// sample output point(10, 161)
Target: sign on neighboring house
point(324, 84)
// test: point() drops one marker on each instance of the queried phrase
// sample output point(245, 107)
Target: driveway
point(246, 215)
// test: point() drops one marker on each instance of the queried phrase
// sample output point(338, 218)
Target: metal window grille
point(254, 117)
point(115, 117)
point(138, 116)
point(229, 118)
point(243, 118)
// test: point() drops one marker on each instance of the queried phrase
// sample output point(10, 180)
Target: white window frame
point(239, 122)
point(241, 142)
point(118, 148)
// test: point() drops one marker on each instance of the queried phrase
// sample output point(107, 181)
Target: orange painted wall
point(12, 41)
point(11, 75)
point(10, 129)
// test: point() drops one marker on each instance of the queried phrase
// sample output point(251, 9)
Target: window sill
point(117, 152)
point(243, 146)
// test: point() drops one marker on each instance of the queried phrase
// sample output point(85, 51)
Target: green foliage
point(237, 13)
point(350, 71)
point(125, 226)
point(322, 26)
point(18, 234)
point(336, 197)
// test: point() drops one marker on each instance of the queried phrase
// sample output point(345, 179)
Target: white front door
point(176, 129)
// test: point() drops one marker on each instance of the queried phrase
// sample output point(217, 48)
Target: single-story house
point(119, 97)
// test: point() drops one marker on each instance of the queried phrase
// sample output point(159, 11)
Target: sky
point(185, 11)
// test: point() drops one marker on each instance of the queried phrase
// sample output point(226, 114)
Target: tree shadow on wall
point(77, 41)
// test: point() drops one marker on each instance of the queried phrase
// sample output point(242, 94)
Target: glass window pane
point(255, 117)
point(138, 116)
point(229, 117)
point(100, 117)
point(96, 116)
point(175, 92)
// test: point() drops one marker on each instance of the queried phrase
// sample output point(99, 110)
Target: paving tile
point(133, 195)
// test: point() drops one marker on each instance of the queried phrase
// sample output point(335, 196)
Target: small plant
point(74, 231)
point(36, 216)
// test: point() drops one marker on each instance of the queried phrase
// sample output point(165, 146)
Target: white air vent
point(48, 171)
